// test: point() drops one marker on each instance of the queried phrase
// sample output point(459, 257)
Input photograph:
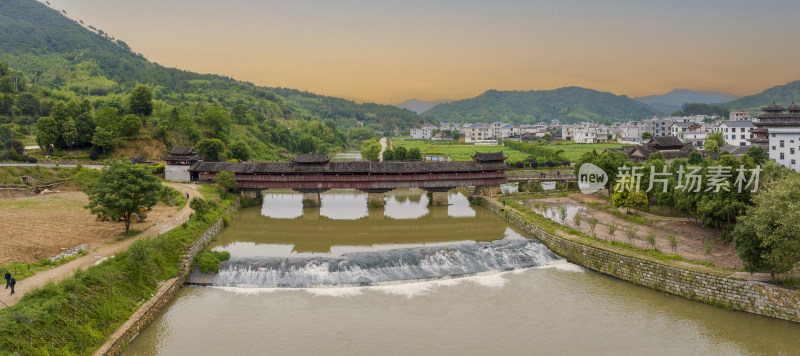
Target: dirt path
point(96, 256)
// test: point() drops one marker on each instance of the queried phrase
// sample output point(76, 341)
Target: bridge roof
point(348, 167)
point(489, 156)
point(311, 158)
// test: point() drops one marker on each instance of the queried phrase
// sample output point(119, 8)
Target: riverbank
point(77, 314)
point(696, 282)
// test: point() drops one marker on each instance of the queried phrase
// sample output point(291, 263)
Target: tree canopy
point(121, 190)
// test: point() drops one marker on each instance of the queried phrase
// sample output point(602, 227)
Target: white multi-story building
point(784, 144)
point(736, 133)
point(690, 132)
point(477, 132)
point(424, 133)
point(739, 115)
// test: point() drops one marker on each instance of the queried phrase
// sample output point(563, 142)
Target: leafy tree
point(240, 114)
point(677, 113)
point(651, 239)
point(646, 135)
point(655, 156)
point(108, 119)
point(370, 150)
point(240, 150)
point(218, 122)
point(548, 137)
point(711, 146)
point(705, 109)
point(200, 206)
point(414, 154)
point(211, 148)
point(121, 190)
point(592, 224)
point(636, 200)
point(69, 133)
point(400, 153)
point(388, 155)
point(130, 125)
point(85, 125)
point(757, 154)
point(673, 243)
point(226, 180)
point(767, 237)
point(717, 137)
point(695, 158)
point(46, 133)
point(103, 140)
point(141, 101)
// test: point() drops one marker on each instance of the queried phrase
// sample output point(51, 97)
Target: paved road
point(96, 256)
point(384, 146)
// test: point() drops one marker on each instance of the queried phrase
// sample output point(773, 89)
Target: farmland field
point(461, 152)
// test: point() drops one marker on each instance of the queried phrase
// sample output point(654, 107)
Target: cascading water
point(383, 267)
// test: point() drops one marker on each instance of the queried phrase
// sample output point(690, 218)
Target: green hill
point(54, 59)
point(781, 94)
point(568, 105)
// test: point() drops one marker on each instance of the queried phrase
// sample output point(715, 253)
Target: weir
point(381, 267)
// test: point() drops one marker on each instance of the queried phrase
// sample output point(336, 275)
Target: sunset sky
point(391, 51)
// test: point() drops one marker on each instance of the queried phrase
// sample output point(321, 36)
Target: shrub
point(550, 163)
point(566, 163)
point(534, 164)
point(673, 243)
point(520, 164)
point(32, 159)
point(651, 239)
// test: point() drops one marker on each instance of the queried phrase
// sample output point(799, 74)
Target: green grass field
point(462, 152)
point(574, 151)
point(457, 152)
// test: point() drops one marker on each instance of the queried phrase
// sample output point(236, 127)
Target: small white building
point(739, 115)
point(690, 132)
point(736, 133)
point(424, 133)
point(784, 146)
point(477, 132)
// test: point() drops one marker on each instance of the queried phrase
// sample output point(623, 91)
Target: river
point(417, 279)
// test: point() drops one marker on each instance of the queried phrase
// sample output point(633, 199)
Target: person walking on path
point(504, 201)
point(12, 283)
point(8, 278)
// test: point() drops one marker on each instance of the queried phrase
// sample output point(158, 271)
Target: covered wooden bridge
point(312, 174)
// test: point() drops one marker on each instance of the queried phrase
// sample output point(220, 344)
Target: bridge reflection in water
point(283, 227)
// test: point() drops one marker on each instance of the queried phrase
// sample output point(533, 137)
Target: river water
point(417, 279)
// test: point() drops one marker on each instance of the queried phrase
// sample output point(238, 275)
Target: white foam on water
point(339, 292)
point(564, 266)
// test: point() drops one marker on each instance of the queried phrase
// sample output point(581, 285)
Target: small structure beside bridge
point(312, 174)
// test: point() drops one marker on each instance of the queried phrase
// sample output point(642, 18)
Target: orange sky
point(391, 51)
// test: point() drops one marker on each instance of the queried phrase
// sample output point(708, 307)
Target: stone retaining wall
point(149, 310)
point(729, 293)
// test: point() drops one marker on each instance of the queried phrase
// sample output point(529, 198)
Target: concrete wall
point(176, 173)
point(152, 308)
point(749, 296)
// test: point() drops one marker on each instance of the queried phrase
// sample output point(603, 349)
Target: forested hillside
point(781, 94)
point(53, 62)
point(568, 105)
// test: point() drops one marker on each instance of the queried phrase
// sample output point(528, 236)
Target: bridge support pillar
point(375, 200)
point(254, 196)
point(488, 190)
point(311, 200)
point(439, 198)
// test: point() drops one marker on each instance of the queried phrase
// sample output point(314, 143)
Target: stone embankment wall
point(153, 307)
point(749, 296)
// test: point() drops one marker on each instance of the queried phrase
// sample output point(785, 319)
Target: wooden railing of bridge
point(541, 176)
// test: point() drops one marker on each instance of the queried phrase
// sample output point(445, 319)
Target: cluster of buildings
point(777, 130)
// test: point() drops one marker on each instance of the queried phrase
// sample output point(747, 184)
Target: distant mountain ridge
point(781, 94)
point(418, 106)
point(568, 105)
point(675, 99)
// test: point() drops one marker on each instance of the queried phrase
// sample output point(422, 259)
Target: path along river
point(415, 279)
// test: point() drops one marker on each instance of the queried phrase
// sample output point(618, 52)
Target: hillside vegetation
point(781, 94)
point(568, 105)
point(52, 61)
